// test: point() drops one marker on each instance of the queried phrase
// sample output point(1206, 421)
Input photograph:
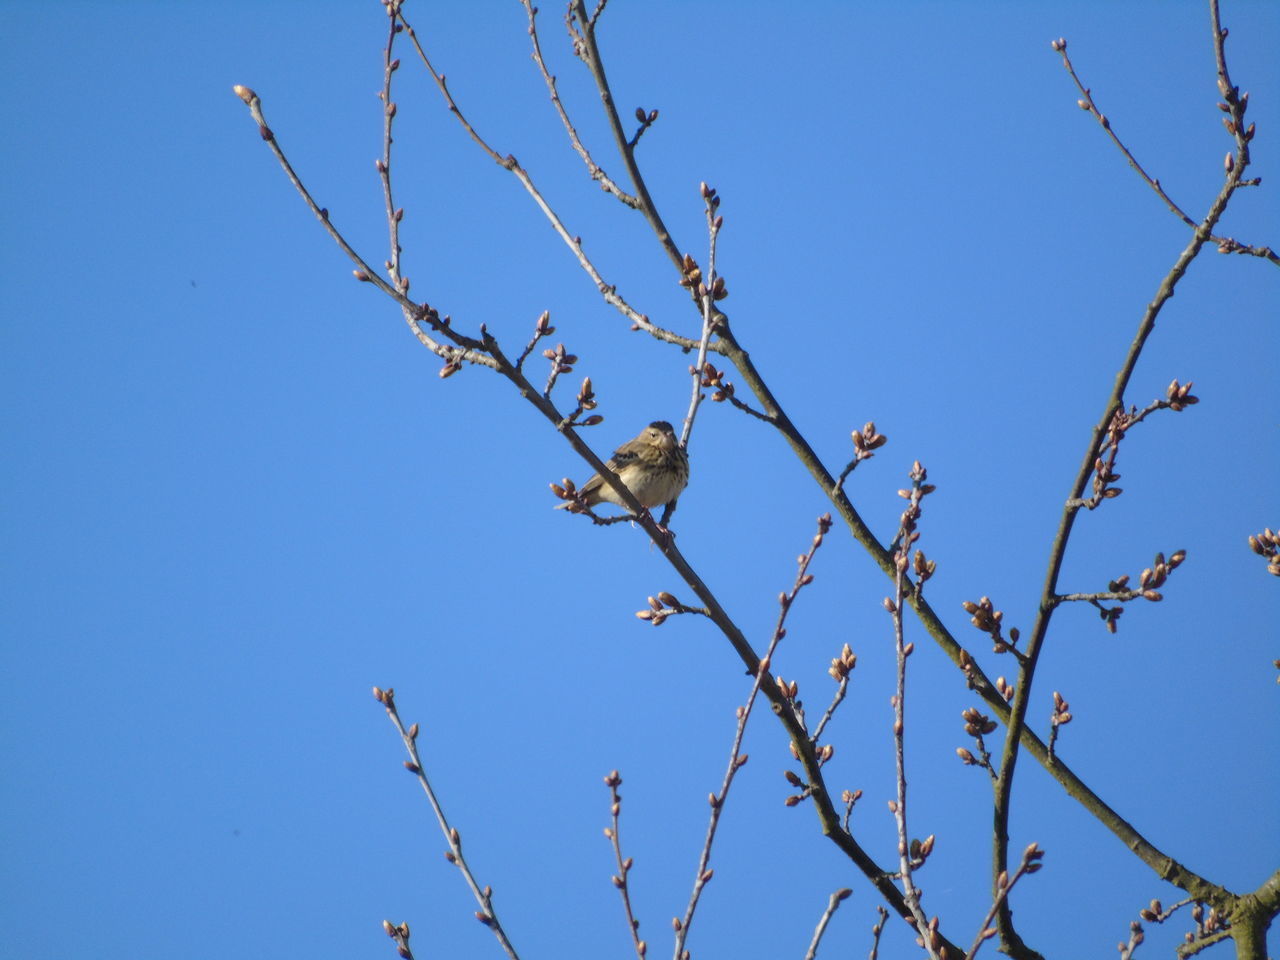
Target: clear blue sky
point(237, 495)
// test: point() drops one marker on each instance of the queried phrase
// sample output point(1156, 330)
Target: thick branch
point(1115, 402)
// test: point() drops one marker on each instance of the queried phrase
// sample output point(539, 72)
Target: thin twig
point(748, 409)
point(907, 535)
point(664, 605)
point(841, 689)
point(832, 903)
point(984, 758)
point(1200, 943)
point(390, 65)
point(1030, 864)
point(542, 328)
point(484, 896)
point(589, 51)
point(1058, 718)
point(736, 757)
point(705, 291)
point(1136, 937)
point(574, 243)
point(876, 931)
point(1158, 913)
point(1135, 416)
point(1121, 596)
point(1225, 244)
point(415, 314)
point(597, 172)
point(621, 879)
point(400, 934)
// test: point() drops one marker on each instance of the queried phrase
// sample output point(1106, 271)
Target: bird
point(653, 466)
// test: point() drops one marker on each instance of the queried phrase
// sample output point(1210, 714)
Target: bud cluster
point(717, 290)
point(561, 360)
point(795, 780)
point(712, 377)
point(866, 441)
point(931, 931)
point(451, 365)
point(1061, 710)
point(646, 118)
point(843, 665)
point(662, 606)
point(586, 400)
point(1154, 913)
point(568, 490)
point(1267, 545)
point(400, 934)
point(690, 272)
point(920, 850)
point(1205, 924)
point(1180, 396)
point(1235, 119)
point(1155, 575)
point(712, 200)
point(823, 754)
point(1060, 716)
point(976, 723)
point(1136, 936)
point(1149, 580)
point(907, 532)
point(986, 618)
point(1031, 858)
point(790, 690)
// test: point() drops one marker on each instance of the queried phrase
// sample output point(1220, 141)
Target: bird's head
point(661, 434)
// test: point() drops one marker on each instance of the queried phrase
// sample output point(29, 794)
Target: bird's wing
point(625, 454)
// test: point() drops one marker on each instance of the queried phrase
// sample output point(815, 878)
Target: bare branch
point(596, 171)
point(840, 669)
point(541, 329)
point(621, 879)
point(1030, 864)
point(415, 315)
point(484, 896)
point(589, 51)
point(908, 858)
point(786, 694)
point(389, 109)
point(1115, 404)
point(706, 294)
point(429, 328)
point(876, 931)
point(574, 243)
point(832, 903)
point(1086, 102)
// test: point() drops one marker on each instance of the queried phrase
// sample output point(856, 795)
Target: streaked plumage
point(654, 467)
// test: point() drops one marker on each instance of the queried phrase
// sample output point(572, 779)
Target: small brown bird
point(653, 466)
